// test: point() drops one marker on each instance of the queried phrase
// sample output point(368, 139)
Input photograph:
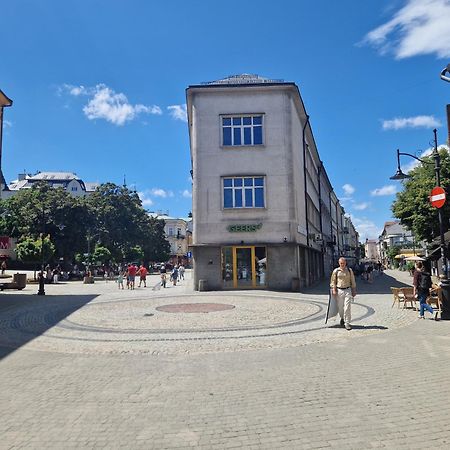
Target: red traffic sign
point(437, 197)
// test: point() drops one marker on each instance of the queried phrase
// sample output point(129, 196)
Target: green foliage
point(30, 249)
point(393, 252)
point(43, 209)
point(112, 218)
point(412, 205)
point(101, 255)
point(134, 254)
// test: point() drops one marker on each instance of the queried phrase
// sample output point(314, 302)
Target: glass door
point(245, 272)
point(244, 267)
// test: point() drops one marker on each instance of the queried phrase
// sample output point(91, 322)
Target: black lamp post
point(399, 175)
point(41, 290)
point(4, 101)
point(444, 73)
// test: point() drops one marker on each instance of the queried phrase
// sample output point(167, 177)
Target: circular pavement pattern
point(194, 308)
point(148, 323)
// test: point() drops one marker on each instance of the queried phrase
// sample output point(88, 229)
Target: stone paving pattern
point(85, 367)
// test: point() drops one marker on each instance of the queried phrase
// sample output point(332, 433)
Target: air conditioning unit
point(318, 238)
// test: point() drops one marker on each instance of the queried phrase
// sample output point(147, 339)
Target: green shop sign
point(244, 228)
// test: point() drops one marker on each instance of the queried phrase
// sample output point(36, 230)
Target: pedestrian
point(174, 275)
point(3, 267)
point(132, 269)
point(422, 284)
point(181, 272)
point(120, 280)
point(343, 287)
point(163, 272)
point(142, 275)
point(55, 275)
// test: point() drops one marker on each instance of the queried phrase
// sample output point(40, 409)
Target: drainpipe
point(306, 184)
point(319, 171)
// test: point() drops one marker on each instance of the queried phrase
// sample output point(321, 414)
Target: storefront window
point(244, 267)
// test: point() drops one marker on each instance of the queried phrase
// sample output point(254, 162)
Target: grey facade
point(261, 197)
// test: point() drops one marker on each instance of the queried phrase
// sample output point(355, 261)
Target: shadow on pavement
point(381, 285)
point(26, 317)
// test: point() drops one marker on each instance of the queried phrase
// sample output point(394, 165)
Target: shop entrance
point(244, 267)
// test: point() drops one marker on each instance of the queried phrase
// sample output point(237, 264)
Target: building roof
point(54, 176)
point(244, 78)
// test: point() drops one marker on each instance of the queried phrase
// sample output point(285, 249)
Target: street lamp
point(399, 175)
point(4, 101)
point(444, 72)
point(41, 290)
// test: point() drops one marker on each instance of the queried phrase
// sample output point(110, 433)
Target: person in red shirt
point(132, 269)
point(142, 275)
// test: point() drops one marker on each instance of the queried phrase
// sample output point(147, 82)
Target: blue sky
point(99, 86)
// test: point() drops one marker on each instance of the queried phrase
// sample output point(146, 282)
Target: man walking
point(343, 287)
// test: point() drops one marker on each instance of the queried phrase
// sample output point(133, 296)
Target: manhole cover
point(195, 307)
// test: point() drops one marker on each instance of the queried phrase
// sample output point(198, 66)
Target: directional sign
point(437, 197)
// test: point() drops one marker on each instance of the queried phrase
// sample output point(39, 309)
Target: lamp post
point(444, 72)
point(399, 175)
point(41, 290)
point(4, 101)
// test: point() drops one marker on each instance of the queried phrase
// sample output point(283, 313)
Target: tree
point(37, 251)
point(392, 253)
point(101, 255)
point(134, 254)
point(48, 210)
point(121, 223)
point(412, 205)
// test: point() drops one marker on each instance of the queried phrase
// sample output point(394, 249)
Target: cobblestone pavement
point(88, 366)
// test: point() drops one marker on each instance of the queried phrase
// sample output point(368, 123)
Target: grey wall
point(206, 271)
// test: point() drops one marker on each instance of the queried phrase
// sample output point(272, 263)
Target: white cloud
point(105, 103)
point(7, 124)
point(411, 122)
point(419, 28)
point(158, 192)
point(178, 112)
point(366, 228)
point(361, 206)
point(145, 199)
point(186, 194)
point(348, 189)
point(390, 189)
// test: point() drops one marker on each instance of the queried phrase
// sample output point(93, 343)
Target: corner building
point(256, 186)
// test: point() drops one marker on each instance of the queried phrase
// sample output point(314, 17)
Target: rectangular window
point(243, 192)
point(242, 130)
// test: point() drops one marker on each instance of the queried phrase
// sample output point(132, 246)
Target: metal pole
point(41, 290)
point(437, 168)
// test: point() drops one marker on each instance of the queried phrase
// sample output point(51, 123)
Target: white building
point(257, 192)
point(67, 180)
point(177, 232)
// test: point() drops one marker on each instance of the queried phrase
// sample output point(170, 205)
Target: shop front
point(244, 267)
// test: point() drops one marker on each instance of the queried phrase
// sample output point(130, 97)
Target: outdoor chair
point(403, 295)
point(435, 298)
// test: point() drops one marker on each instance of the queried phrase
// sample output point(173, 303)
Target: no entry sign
point(437, 197)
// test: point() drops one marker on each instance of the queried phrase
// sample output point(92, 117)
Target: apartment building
point(264, 213)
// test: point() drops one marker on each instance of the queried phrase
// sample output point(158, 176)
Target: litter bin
point(445, 285)
point(20, 279)
point(202, 285)
point(295, 284)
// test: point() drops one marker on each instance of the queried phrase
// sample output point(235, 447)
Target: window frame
point(242, 127)
point(243, 188)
